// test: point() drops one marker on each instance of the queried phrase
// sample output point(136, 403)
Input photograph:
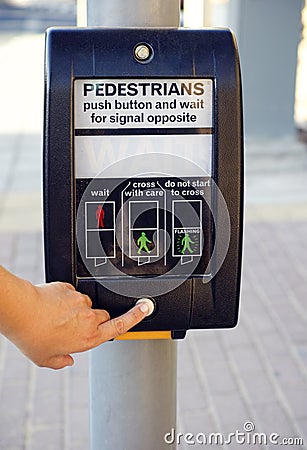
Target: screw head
point(143, 53)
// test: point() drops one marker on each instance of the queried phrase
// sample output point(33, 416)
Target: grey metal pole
point(132, 395)
point(132, 13)
point(132, 383)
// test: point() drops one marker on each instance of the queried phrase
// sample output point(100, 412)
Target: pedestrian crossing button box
point(143, 172)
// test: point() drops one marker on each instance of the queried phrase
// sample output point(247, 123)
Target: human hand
point(62, 322)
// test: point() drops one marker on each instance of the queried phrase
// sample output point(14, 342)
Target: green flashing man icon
point(186, 241)
point(142, 243)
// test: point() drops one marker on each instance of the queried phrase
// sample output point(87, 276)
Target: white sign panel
point(143, 103)
point(115, 119)
point(95, 154)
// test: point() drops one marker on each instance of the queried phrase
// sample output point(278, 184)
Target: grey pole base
point(132, 395)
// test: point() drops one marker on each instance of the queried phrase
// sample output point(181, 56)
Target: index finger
point(120, 325)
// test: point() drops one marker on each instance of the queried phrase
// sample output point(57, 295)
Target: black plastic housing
point(73, 53)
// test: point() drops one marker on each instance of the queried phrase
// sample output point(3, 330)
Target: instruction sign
point(151, 103)
point(141, 215)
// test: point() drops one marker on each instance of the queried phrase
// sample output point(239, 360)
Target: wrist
point(17, 303)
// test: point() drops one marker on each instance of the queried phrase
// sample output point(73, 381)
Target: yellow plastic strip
point(141, 335)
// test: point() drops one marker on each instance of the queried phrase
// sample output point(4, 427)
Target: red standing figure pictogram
point(100, 216)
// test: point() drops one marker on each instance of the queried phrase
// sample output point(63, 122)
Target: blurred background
point(256, 372)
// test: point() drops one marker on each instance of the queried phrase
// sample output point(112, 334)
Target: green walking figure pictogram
point(186, 241)
point(142, 243)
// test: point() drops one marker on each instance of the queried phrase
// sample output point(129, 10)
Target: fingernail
point(144, 308)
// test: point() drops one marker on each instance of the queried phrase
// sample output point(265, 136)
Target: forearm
point(17, 303)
